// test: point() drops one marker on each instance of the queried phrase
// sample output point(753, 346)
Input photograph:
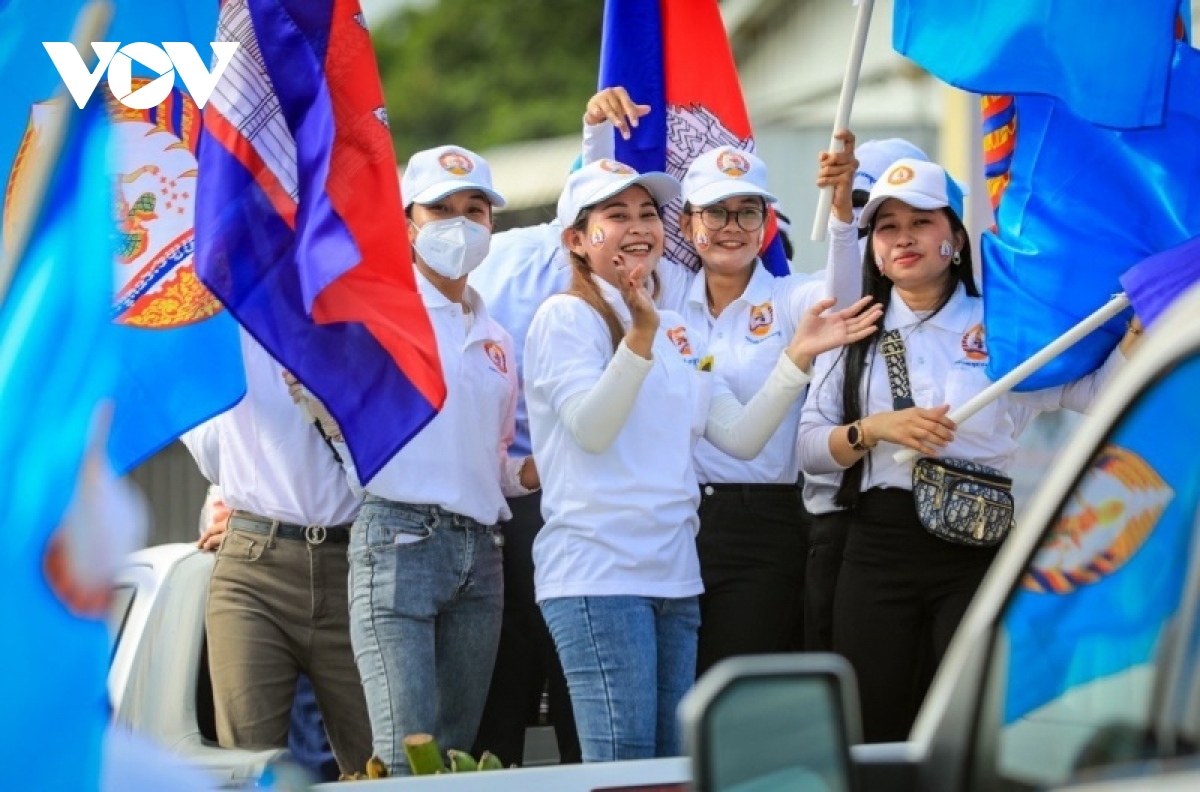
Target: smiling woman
point(617, 399)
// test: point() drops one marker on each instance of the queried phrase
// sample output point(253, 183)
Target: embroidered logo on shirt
point(762, 317)
point(496, 355)
point(732, 164)
point(678, 336)
point(456, 164)
point(974, 344)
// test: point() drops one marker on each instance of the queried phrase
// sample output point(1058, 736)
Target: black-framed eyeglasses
point(749, 218)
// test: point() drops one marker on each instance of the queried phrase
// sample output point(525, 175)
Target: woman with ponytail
point(618, 396)
point(902, 590)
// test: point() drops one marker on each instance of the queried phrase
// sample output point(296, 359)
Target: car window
point(118, 613)
point(1074, 667)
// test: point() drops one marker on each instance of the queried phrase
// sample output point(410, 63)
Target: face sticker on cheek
point(945, 250)
point(702, 240)
point(879, 263)
point(596, 236)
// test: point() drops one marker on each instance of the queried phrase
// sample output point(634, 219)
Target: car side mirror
point(773, 722)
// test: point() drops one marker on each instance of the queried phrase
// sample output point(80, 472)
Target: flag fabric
point(674, 55)
point(1083, 205)
point(1103, 587)
point(301, 230)
point(58, 362)
point(1107, 65)
point(1159, 280)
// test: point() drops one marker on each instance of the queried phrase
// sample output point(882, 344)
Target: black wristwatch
point(854, 434)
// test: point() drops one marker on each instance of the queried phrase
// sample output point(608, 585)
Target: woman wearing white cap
point(908, 573)
point(617, 400)
point(752, 539)
point(426, 584)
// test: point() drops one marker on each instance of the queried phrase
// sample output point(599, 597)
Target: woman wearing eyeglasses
point(752, 539)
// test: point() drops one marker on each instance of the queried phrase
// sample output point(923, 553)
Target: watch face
point(854, 436)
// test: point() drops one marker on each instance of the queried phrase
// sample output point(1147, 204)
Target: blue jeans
point(426, 600)
point(628, 662)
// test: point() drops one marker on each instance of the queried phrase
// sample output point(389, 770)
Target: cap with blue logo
point(722, 173)
point(432, 174)
point(875, 156)
point(603, 179)
point(923, 185)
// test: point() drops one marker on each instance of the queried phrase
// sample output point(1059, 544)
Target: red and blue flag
point(674, 56)
point(300, 227)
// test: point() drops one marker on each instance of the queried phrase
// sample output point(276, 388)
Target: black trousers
point(526, 661)
point(751, 544)
point(900, 595)
point(826, 543)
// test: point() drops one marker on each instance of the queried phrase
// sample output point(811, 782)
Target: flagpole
point(1118, 303)
point(858, 45)
point(90, 25)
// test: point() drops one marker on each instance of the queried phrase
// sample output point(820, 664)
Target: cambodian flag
point(674, 56)
point(300, 227)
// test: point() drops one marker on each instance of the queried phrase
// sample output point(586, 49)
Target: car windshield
point(1082, 637)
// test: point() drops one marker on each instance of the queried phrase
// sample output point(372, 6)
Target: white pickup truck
point(1076, 667)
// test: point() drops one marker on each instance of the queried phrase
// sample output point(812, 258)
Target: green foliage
point(480, 73)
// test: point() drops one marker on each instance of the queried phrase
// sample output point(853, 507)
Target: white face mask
point(453, 247)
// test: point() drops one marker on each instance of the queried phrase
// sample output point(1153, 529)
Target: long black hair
point(856, 357)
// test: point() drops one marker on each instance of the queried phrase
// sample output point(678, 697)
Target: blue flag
point(1159, 280)
point(674, 55)
point(1109, 65)
point(57, 363)
point(1111, 573)
point(1083, 205)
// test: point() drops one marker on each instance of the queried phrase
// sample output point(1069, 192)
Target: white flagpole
point(91, 24)
point(858, 44)
point(1013, 378)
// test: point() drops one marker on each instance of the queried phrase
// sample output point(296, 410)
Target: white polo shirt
point(266, 458)
point(947, 357)
point(523, 267)
point(744, 344)
point(621, 522)
point(459, 461)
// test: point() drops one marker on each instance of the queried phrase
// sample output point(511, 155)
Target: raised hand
point(614, 104)
point(631, 282)
point(836, 170)
point(313, 407)
point(923, 429)
point(819, 333)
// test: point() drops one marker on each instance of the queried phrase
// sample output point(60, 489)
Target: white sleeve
point(510, 467)
point(571, 368)
point(343, 450)
point(594, 418)
point(204, 443)
point(598, 142)
point(843, 270)
point(674, 283)
point(819, 416)
point(1077, 395)
point(743, 431)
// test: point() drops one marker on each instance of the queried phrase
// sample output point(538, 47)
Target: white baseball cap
point(432, 174)
point(875, 156)
point(924, 185)
point(603, 179)
point(722, 173)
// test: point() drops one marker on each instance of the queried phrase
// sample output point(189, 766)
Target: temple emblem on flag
point(1110, 516)
point(155, 274)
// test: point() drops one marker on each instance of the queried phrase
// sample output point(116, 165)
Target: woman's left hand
point(816, 333)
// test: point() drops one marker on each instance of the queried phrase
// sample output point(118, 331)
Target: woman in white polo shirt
point(617, 398)
point(426, 581)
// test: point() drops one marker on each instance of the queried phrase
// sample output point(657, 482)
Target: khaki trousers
point(278, 607)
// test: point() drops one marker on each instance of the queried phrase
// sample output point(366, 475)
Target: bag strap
point(891, 346)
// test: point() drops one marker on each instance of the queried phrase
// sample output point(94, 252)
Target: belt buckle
point(315, 534)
